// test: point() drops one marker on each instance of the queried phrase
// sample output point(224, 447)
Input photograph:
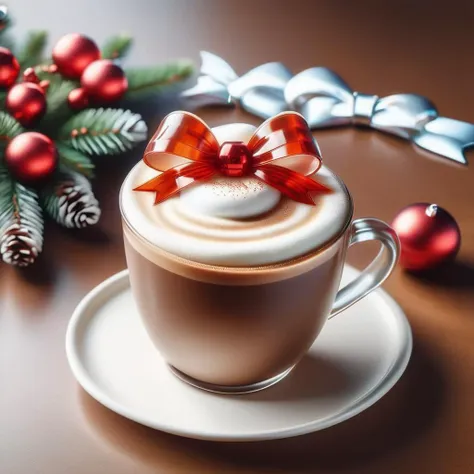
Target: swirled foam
point(235, 221)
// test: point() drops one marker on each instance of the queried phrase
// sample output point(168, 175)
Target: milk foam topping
point(231, 221)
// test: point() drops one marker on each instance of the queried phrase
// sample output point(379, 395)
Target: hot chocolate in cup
point(233, 280)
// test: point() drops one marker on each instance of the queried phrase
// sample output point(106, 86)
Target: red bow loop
point(281, 152)
point(287, 140)
point(180, 137)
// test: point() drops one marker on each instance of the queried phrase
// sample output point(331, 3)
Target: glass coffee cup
point(233, 280)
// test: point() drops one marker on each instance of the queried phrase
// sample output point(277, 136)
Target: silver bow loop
point(207, 92)
point(415, 118)
point(211, 87)
point(260, 91)
point(321, 96)
point(404, 115)
point(216, 68)
point(270, 78)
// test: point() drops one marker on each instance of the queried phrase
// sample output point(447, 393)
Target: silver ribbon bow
point(325, 100)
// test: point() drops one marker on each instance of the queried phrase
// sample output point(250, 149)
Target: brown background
point(48, 425)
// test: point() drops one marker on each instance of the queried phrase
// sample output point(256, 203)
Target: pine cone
point(21, 222)
point(17, 247)
point(71, 202)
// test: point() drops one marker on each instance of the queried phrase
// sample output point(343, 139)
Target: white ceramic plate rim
point(118, 281)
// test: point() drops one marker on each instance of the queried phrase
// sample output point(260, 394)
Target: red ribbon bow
point(281, 153)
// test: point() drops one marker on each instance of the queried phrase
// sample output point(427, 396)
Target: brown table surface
point(48, 425)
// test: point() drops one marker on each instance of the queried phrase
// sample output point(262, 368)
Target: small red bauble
point(73, 53)
point(429, 236)
point(29, 75)
point(104, 81)
point(26, 102)
point(31, 157)
point(9, 68)
point(78, 99)
point(235, 159)
point(44, 84)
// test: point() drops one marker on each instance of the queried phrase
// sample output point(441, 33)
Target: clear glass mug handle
point(379, 269)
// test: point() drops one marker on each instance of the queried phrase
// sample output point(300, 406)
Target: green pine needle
point(57, 110)
point(116, 47)
point(32, 52)
point(9, 128)
point(75, 160)
point(149, 79)
point(103, 131)
point(57, 95)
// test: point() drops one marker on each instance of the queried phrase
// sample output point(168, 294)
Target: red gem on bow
point(281, 153)
point(235, 159)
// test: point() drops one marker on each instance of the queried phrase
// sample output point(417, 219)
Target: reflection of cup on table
point(235, 281)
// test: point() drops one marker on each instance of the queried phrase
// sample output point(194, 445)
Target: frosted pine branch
point(103, 131)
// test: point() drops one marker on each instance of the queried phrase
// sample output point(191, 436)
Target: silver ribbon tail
point(447, 137)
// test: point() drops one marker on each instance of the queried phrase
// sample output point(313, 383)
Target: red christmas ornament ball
point(78, 99)
point(26, 102)
point(31, 157)
point(73, 53)
point(104, 81)
point(429, 236)
point(9, 68)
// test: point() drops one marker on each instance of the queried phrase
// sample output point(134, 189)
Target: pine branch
point(75, 160)
point(57, 95)
point(32, 52)
point(146, 80)
point(21, 222)
point(116, 47)
point(9, 128)
point(58, 110)
point(103, 131)
point(69, 200)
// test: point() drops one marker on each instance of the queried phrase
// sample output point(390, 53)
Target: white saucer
point(356, 359)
